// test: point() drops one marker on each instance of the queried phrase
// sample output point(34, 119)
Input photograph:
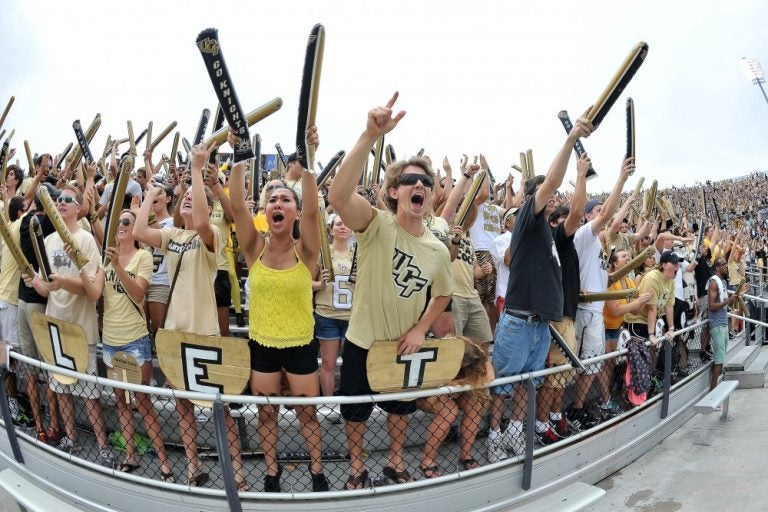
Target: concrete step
point(753, 376)
point(742, 358)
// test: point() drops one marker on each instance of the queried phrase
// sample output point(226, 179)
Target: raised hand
point(381, 120)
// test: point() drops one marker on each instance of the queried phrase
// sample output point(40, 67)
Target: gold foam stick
point(80, 260)
point(742, 306)
point(252, 118)
point(10, 135)
point(104, 154)
point(77, 153)
point(524, 166)
point(116, 204)
point(651, 200)
point(7, 109)
point(660, 208)
point(529, 162)
point(13, 245)
point(461, 216)
point(670, 209)
point(638, 186)
point(310, 90)
point(162, 135)
point(30, 161)
point(174, 150)
point(131, 138)
point(325, 246)
point(4, 161)
point(617, 84)
point(149, 136)
point(378, 150)
point(629, 293)
point(631, 264)
point(2, 133)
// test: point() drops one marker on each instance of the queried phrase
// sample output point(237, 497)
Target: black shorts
point(296, 360)
point(222, 288)
point(354, 382)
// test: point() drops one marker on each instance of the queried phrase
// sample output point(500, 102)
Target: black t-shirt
point(535, 279)
point(569, 261)
point(29, 294)
point(702, 273)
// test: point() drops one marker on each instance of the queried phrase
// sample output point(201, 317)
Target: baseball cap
point(591, 204)
point(292, 158)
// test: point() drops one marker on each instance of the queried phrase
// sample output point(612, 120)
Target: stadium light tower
point(755, 73)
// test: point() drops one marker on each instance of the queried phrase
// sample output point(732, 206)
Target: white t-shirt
point(500, 245)
point(593, 269)
point(132, 188)
point(679, 284)
point(487, 226)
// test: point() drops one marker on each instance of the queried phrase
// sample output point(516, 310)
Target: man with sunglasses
point(400, 262)
point(72, 295)
point(534, 298)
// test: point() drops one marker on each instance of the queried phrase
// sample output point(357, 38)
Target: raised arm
point(609, 207)
point(248, 237)
point(141, 230)
point(579, 200)
point(556, 172)
point(354, 209)
point(310, 227)
point(201, 216)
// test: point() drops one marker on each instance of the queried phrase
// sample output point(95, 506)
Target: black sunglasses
point(412, 178)
point(126, 222)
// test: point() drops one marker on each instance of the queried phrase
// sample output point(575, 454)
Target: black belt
point(523, 315)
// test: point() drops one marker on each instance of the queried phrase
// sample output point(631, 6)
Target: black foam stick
point(202, 124)
point(310, 85)
point(630, 128)
point(218, 122)
point(210, 49)
point(80, 136)
point(256, 175)
point(578, 147)
point(332, 164)
point(281, 155)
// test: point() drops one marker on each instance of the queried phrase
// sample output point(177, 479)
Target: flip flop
point(127, 467)
point(469, 463)
point(356, 482)
point(397, 477)
point(430, 471)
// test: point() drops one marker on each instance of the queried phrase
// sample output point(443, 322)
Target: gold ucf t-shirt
point(335, 300)
point(395, 271)
point(663, 296)
point(464, 270)
point(9, 270)
point(124, 320)
point(192, 307)
point(220, 221)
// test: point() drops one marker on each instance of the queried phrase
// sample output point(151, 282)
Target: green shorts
point(719, 337)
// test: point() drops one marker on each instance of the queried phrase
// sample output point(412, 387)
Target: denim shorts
point(140, 349)
point(519, 347)
point(330, 328)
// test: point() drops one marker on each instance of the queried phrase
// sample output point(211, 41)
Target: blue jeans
point(140, 349)
point(519, 347)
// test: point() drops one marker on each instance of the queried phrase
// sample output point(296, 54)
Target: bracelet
point(466, 175)
point(455, 242)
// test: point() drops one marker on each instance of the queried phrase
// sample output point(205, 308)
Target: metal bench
point(29, 496)
point(575, 497)
point(710, 403)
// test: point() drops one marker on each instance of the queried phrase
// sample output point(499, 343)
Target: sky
point(474, 77)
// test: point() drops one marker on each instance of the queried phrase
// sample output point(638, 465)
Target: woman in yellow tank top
point(280, 315)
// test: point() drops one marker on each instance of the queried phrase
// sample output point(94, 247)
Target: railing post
point(225, 460)
point(10, 428)
point(530, 429)
point(747, 331)
point(667, 377)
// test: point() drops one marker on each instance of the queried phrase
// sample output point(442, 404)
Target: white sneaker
point(13, 406)
point(513, 439)
point(495, 449)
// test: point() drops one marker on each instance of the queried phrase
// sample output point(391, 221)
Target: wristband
point(466, 175)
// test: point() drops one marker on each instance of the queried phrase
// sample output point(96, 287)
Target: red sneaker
point(54, 436)
point(42, 436)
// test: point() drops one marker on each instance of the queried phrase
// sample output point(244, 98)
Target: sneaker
point(13, 405)
point(106, 457)
point(547, 437)
point(512, 439)
point(561, 427)
point(54, 436)
point(495, 449)
point(611, 407)
point(66, 445)
point(42, 436)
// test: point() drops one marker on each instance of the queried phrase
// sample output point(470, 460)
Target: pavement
point(680, 475)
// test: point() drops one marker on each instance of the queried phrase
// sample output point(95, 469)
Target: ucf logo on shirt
point(406, 274)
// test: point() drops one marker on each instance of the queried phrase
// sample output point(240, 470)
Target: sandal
point(397, 477)
point(431, 471)
point(319, 482)
point(168, 477)
point(198, 480)
point(356, 482)
point(242, 485)
point(127, 467)
point(469, 463)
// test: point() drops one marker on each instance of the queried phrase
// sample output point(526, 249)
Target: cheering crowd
point(410, 258)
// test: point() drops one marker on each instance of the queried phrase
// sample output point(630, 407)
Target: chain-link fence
point(175, 437)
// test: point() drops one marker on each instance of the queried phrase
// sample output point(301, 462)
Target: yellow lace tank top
point(280, 314)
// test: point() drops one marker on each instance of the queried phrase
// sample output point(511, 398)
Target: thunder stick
point(618, 83)
point(631, 264)
point(310, 90)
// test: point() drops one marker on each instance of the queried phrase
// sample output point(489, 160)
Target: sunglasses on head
point(126, 222)
point(66, 199)
point(412, 178)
